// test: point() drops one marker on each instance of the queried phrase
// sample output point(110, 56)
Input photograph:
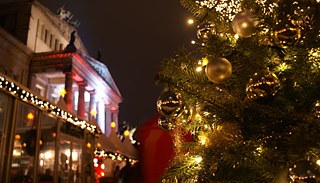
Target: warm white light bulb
point(199, 69)
point(318, 162)
point(190, 21)
point(95, 160)
point(198, 159)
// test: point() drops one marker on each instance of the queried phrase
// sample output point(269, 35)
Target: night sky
point(134, 37)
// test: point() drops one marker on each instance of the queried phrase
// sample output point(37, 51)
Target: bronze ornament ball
point(170, 104)
point(287, 34)
point(218, 69)
point(204, 31)
point(304, 171)
point(165, 124)
point(243, 24)
point(262, 85)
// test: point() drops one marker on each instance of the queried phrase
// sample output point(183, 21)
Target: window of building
point(46, 35)
point(47, 150)
point(4, 103)
point(25, 142)
point(51, 40)
point(64, 162)
point(56, 44)
point(42, 34)
point(70, 158)
point(60, 46)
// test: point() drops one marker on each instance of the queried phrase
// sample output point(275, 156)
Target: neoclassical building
point(56, 102)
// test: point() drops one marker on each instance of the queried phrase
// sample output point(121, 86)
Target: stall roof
point(127, 150)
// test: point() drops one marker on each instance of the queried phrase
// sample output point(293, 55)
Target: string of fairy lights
point(44, 105)
point(114, 156)
point(102, 153)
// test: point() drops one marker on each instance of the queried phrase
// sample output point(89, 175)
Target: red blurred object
point(156, 149)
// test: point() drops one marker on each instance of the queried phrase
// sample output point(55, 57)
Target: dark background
point(134, 36)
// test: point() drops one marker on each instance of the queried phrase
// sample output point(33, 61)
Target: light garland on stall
point(114, 156)
point(30, 98)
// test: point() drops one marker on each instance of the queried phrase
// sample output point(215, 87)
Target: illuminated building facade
point(55, 100)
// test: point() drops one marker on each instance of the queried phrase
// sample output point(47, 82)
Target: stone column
point(101, 116)
point(92, 103)
point(108, 119)
point(68, 87)
point(115, 117)
point(81, 103)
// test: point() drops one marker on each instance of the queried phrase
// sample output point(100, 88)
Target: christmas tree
point(248, 92)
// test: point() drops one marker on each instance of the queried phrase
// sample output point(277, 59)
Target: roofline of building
point(79, 55)
point(49, 14)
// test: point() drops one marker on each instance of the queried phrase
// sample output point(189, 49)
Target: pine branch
point(193, 8)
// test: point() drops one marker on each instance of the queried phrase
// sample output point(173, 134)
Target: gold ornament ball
point(170, 104)
point(243, 24)
point(316, 109)
point(304, 171)
point(165, 124)
point(287, 34)
point(204, 31)
point(218, 70)
point(262, 85)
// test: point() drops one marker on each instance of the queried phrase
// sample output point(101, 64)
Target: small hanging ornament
point(304, 171)
point(262, 85)
point(170, 104)
point(287, 34)
point(185, 116)
point(243, 24)
point(218, 69)
point(204, 31)
point(165, 124)
point(316, 109)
